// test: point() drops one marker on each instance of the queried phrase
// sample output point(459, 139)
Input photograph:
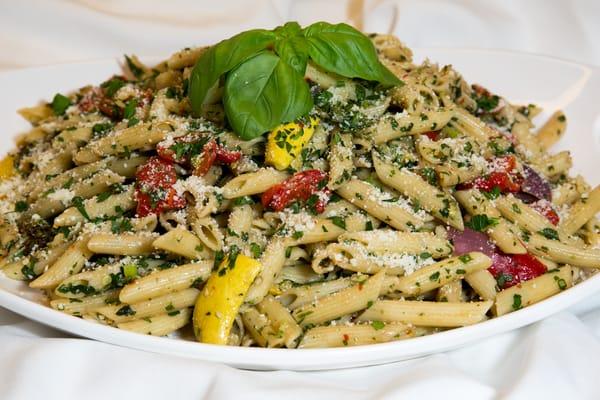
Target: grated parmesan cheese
point(298, 222)
point(63, 195)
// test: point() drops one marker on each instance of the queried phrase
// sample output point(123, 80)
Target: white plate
point(524, 78)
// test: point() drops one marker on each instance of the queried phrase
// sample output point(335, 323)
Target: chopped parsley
point(255, 249)
point(112, 86)
point(78, 204)
point(549, 233)
point(481, 222)
point(377, 325)
point(101, 129)
point(60, 103)
point(562, 284)
point(338, 221)
point(493, 194)
point(129, 111)
point(21, 206)
point(516, 305)
point(465, 258)
point(125, 311)
point(435, 276)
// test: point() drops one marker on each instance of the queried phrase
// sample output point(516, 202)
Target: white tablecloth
point(555, 358)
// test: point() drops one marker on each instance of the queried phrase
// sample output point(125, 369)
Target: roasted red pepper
point(206, 159)
point(433, 135)
point(545, 208)
point(512, 269)
point(504, 177)
point(97, 99)
point(299, 187)
point(154, 191)
point(225, 156)
point(195, 151)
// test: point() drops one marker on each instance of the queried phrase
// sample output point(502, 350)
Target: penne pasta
point(427, 313)
point(533, 291)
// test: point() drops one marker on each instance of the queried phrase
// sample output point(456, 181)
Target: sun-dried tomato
point(154, 191)
point(300, 187)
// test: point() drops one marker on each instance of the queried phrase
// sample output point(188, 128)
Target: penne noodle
point(427, 313)
point(159, 325)
point(169, 303)
point(533, 291)
point(346, 301)
point(128, 244)
point(165, 281)
point(443, 272)
point(357, 335)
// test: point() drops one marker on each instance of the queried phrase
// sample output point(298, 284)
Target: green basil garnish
point(263, 72)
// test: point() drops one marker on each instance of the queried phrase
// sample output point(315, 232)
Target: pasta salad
point(297, 188)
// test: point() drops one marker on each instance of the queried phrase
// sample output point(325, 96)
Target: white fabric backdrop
point(556, 358)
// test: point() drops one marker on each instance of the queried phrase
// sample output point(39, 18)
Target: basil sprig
point(263, 72)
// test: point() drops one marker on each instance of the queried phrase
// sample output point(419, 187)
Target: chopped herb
point(125, 311)
point(77, 289)
point(425, 255)
point(487, 103)
point(435, 276)
point(120, 225)
point(21, 206)
point(503, 278)
point(240, 201)
point(255, 249)
point(516, 302)
point(377, 325)
point(112, 86)
point(549, 233)
point(28, 270)
point(516, 208)
point(465, 258)
point(493, 194)
point(129, 111)
point(481, 222)
point(429, 175)
point(102, 196)
point(338, 221)
point(562, 284)
point(60, 104)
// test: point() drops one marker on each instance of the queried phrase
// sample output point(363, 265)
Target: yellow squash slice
point(287, 141)
point(221, 298)
point(7, 168)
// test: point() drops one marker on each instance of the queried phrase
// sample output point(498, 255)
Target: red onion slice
point(470, 240)
point(535, 185)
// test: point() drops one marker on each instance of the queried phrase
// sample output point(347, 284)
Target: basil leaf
point(288, 30)
point(262, 93)
point(222, 58)
point(294, 52)
point(344, 50)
